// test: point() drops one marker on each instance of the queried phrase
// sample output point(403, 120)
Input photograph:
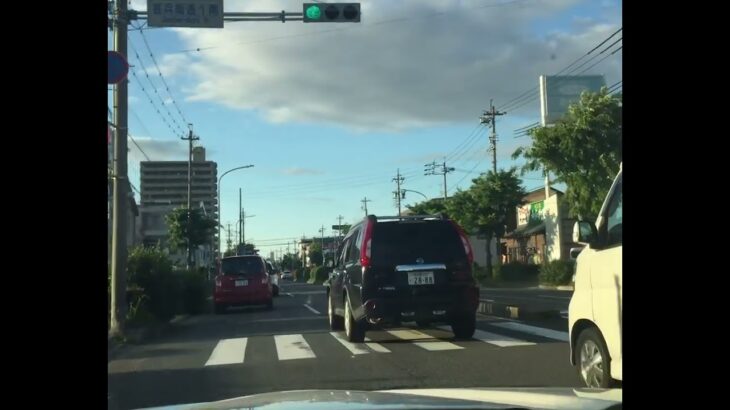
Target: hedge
point(515, 271)
point(557, 273)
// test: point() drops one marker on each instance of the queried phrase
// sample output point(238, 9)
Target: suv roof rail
point(442, 216)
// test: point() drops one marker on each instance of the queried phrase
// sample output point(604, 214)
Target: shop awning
point(527, 230)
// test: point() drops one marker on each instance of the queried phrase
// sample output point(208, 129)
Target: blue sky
point(328, 118)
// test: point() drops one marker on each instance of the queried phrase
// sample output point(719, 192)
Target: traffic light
point(331, 12)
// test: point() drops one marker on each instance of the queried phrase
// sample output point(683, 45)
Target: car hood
point(473, 398)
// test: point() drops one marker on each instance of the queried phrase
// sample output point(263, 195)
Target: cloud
point(158, 149)
point(301, 171)
point(426, 70)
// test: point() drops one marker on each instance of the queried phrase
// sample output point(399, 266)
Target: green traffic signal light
point(314, 12)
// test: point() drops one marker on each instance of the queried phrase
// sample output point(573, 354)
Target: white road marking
point(352, 347)
point(315, 311)
point(289, 294)
point(410, 334)
point(495, 339)
point(291, 347)
point(376, 346)
point(534, 330)
point(228, 351)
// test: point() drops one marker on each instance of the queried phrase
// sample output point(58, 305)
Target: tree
point(430, 207)
point(315, 254)
point(484, 207)
point(200, 230)
point(583, 150)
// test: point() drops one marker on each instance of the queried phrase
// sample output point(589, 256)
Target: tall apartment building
point(164, 187)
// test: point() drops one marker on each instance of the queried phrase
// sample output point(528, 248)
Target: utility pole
point(430, 169)
point(339, 226)
point(365, 205)
point(190, 138)
point(240, 220)
point(120, 183)
point(491, 117)
point(398, 194)
point(229, 236)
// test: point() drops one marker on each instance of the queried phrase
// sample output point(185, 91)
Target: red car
point(242, 280)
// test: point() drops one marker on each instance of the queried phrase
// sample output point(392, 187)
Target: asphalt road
point(251, 350)
point(531, 298)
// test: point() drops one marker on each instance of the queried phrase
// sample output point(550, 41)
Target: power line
point(138, 147)
point(532, 93)
point(167, 88)
point(154, 88)
point(139, 83)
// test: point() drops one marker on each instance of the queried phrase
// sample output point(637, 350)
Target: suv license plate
point(420, 278)
point(241, 283)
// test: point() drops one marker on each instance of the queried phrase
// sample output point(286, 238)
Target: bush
point(557, 272)
point(515, 271)
point(150, 270)
point(319, 274)
point(304, 273)
point(194, 291)
point(479, 273)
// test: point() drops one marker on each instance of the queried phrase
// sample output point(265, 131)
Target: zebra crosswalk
point(300, 346)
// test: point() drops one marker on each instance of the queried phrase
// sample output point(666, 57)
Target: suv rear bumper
point(440, 307)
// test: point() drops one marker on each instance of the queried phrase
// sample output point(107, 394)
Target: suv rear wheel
point(464, 327)
point(336, 322)
point(354, 330)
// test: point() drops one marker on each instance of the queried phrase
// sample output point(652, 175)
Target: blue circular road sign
point(117, 67)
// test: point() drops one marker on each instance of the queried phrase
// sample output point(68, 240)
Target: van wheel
point(354, 330)
point(592, 360)
point(464, 327)
point(276, 290)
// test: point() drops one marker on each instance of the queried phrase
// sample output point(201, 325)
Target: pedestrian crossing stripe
point(295, 347)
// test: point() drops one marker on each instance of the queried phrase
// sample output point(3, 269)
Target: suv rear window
point(245, 266)
point(400, 243)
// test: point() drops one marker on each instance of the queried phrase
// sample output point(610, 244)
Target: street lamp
point(219, 200)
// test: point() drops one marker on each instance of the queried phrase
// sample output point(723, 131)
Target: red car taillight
point(264, 280)
point(366, 246)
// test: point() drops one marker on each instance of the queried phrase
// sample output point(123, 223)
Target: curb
point(515, 312)
point(562, 287)
point(140, 335)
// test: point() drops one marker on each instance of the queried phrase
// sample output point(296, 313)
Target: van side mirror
point(574, 252)
point(585, 233)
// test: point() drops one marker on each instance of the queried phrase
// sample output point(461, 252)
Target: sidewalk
point(140, 335)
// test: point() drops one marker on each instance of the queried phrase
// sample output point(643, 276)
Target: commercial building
point(164, 187)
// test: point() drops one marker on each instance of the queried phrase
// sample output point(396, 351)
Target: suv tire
point(336, 322)
point(464, 327)
point(354, 330)
point(592, 360)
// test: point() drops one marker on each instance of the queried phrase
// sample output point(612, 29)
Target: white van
point(595, 312)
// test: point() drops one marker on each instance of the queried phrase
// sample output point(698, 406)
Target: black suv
point(391, 270)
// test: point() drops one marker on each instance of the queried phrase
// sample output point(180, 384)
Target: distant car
point(403, 269)
point(287, 275)
point(242, 280)
point(274, 276)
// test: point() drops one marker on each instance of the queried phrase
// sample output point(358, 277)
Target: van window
point(353, 253)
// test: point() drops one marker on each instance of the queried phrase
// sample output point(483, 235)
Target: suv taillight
point(366, 246)
point(264, 280)
point(465, 243)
